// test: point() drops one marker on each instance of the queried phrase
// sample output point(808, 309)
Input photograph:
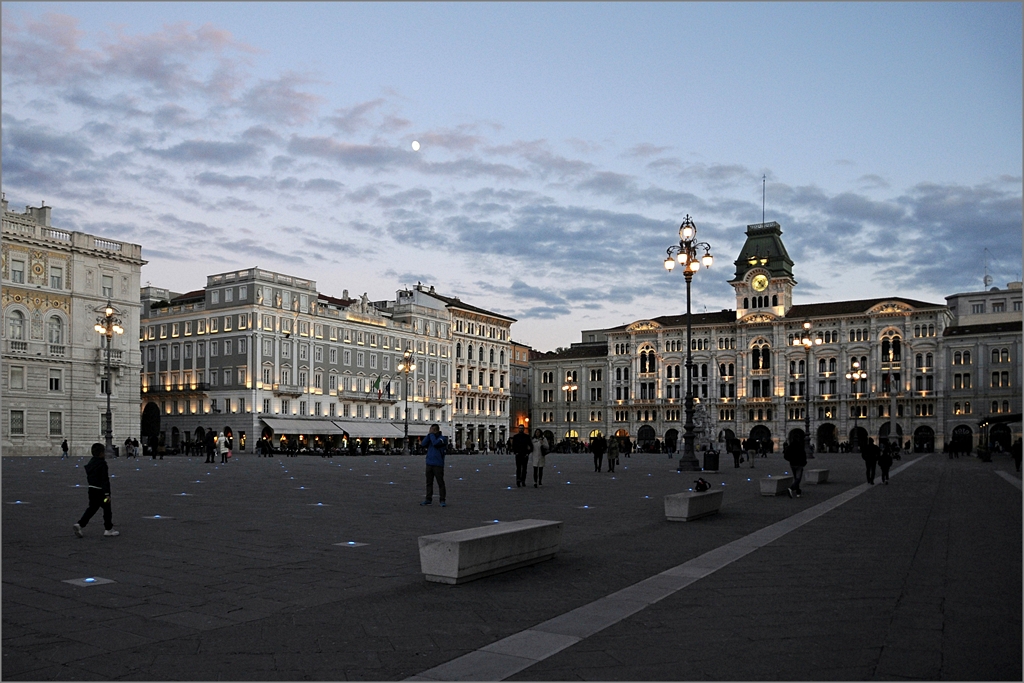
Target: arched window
point(995, 406)
point(775, 299)
point(704, 370)
point(956, 408)
point(967, 360)
point(919, 360)
point(896, 349)
point(502, 358)
point(16, 326)
point(746, 302)
point(852, 335)
point(886, 350)
point(800, 367)
point(755, 358)
point(731, 366)
point(458, 350)
point(1006, 406)
point(481, 354)
point(470, 352)
point(55, 330)
point(917, 330)
point(618, 374)
point(766, 357)
point(492, 355)
point(831, 364)
point(995, 355)
point(957, 359)
point(1006, 356)
point(928, 360)
point(821, 365)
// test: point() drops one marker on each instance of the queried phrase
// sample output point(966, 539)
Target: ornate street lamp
point(108, 325)
point(569, 387)
point(406, 365)
point(685, 254)
point(855, 375)
point(807, 341)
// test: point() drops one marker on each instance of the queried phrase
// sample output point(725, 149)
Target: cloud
point(220, 180)
point(644, 150)
point(355, 118)
point(873, 182)
point(22, 137)
point(458, 139)
point(279, 100)
point(211, 152)
point(349, 155)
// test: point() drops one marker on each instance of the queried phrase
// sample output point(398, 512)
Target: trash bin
point(710, 461)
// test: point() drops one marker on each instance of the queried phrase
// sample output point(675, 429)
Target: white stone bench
point(682, 507)
point(468, 554)
point(815, 476)
point(773, 486)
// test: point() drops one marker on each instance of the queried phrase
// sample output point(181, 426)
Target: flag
point(376, 385)
point(387, 388)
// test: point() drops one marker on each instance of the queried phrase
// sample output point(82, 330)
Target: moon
point(415, 146)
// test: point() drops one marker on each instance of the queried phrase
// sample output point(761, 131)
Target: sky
point(560, 145)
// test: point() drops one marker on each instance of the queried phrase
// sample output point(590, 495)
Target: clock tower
point(764, 274)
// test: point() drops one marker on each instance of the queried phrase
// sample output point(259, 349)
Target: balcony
point(288, 390)
point(58, 350)
point(19, 347)
point(167, 390)
point(116, 356)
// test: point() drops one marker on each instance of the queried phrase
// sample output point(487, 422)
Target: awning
point(369, 429)
point(282, 425)
point(418, 429)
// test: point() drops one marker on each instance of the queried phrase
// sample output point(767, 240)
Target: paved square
point(244, 578)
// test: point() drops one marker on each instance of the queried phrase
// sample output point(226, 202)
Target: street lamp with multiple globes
point(569, 387)
point(807, 341)
point(406, 365)
point(685, 254)
point(108, 325)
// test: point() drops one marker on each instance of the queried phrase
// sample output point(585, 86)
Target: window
point(56, 278)
point(227, 347)
point(213, 348)
point(108, 286)
point(215, 297)
point(17, 377)
point(16, 326)
point(18, 420)
point(56, 423)
point(978, 308)
point(229, 294)
point(18, 276)
point(55, 379)
point(55, 330)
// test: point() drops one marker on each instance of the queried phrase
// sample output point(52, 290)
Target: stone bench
point(773, 486)
point(815, 476)
point(468, 554)
point(682, 507)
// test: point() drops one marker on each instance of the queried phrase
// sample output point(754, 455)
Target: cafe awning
point(282, 425)
point(368, 429)
point(418, 429)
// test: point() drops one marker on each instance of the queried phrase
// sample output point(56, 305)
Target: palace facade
point(934, 372)
point(56, 283)
point(262, 354)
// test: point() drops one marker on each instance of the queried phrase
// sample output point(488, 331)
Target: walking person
point(539, 451)
point(99, 492)
point(885, 460)
point(521, 449)
point(436, 446)
point(135, 448)
point(870, 455)
point(613, 453)
point(64, 449)
point(598, 446)
point(222, 447)
point(796, 455)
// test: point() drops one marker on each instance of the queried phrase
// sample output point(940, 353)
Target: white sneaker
point(111, 532)
point(78, 530)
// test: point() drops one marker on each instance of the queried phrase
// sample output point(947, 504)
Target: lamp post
point(685, 254)
point(807, 341)
point(108, 325)
point(406, 365)
point(569, 387)
point(855, 375)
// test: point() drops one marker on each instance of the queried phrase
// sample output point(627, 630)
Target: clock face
point(759, 283)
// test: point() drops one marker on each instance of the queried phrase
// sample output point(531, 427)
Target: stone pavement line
point(517, 652)
point(1009, 477)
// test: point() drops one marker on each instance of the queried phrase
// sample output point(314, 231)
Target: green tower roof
point(764, 249)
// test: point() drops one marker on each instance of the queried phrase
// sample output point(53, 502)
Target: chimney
point(344, 294)
point(40, 215)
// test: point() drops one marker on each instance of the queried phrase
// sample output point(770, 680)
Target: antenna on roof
point(764, 179)
point(988, 278)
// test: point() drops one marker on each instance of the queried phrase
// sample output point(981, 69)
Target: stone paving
point(249, 575)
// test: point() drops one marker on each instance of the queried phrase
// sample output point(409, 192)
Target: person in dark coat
point(211, 444)
point(870, 455)
point(99, 492)
point(522, 447)
point(64, 449)
point(598, 446)
point(436, 446)
point(885, 461)
point(796, 455)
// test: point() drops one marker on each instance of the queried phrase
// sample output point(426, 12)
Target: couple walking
point(526, 449)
